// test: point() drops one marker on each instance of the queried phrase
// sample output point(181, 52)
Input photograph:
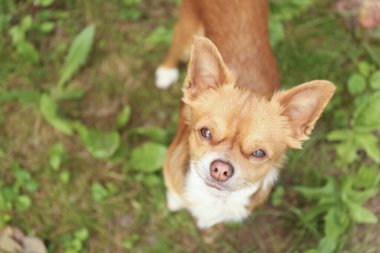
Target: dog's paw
point(165, 77)
point(174, 202)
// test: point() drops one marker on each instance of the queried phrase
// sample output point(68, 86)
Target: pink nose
point(221, 171)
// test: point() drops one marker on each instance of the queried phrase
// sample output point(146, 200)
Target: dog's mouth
point(214, 185)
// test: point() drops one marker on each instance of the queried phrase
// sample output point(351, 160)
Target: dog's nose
point(221, 171)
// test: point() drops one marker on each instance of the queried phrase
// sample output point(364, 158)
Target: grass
point(120, 71)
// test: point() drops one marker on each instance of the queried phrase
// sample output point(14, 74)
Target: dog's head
point(237, 137)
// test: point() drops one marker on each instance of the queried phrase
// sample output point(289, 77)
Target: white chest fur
point(211, 206)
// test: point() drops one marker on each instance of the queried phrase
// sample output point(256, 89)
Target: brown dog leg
point(188, 25)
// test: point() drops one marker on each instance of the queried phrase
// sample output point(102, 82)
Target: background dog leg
point(187, 26)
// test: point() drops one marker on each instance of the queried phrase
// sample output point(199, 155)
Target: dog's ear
point(206, 69)
point(303, 105)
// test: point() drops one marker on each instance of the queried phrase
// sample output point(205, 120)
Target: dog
point(234, 126)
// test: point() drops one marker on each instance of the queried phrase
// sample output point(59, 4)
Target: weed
point(14, 194)
point(24, 48)
point(131, 12)
point(57, 154)
point(364, 121)
point(77, 55)
point(74, 242)
point(340, 202)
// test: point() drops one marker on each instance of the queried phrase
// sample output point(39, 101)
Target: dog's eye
point(205, 132)
point(260, 154)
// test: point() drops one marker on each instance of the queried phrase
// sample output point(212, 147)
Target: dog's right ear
point(206, 69)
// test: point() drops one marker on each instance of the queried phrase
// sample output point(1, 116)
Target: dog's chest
point(210, 206)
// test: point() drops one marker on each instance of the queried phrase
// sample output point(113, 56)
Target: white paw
point(174, 202)
point(165, 77)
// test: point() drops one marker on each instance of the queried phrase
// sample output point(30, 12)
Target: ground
point(133, 216)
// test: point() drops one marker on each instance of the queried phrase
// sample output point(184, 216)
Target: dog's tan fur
point(240, 119)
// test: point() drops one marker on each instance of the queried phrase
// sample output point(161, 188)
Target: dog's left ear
point(303, 105)
point(206, 69)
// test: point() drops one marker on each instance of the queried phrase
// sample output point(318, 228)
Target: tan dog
point(233, 134)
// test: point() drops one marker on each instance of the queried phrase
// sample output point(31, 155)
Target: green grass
point(120, 72)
